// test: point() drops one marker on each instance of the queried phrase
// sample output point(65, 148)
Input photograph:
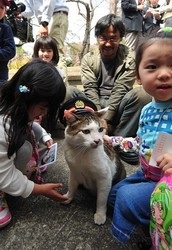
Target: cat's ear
point(69, 117)
point(101, 113)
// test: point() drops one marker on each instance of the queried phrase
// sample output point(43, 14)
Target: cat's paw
point(99, 219)
point(69, 199)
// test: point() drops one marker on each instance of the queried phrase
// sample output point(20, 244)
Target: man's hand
point(140, 7)
point(19, 16)
point(43, 31)
point(157, 15)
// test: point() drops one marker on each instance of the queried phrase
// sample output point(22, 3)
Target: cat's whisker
point(82, 150)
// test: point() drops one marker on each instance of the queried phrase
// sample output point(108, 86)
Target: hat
point(77, 105)
point(6, 2)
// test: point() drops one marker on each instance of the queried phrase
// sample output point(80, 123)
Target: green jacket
point(124, 78)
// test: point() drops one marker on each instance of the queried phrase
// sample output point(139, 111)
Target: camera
point(15, 9)
point(21, 27)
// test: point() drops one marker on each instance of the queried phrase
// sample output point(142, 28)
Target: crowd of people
point(143, 18)
point(108, 74)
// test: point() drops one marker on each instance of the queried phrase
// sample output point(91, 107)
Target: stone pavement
point(41, 224)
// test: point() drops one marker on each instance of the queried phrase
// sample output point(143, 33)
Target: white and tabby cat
point(91, 163)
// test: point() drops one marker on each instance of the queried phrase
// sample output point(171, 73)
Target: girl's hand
point(165, 163)
point(49, 143)
point(49, 190)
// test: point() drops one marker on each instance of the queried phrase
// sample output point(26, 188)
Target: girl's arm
point(41, 134)
point(49, 190)
point(13, 182)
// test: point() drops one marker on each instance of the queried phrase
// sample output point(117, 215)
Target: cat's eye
point(101, 129)
point(86, 131)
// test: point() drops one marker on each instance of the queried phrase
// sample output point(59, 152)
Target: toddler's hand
point(165, 163)
point(107, 140)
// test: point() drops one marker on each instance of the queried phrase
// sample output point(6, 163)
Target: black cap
point(77, 105)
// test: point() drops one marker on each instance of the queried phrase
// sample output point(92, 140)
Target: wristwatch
point(44, 24)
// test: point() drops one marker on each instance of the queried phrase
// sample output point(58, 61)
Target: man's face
point(154, 2)
point(108, 43)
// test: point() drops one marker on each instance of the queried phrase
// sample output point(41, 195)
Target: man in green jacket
point(108, 76)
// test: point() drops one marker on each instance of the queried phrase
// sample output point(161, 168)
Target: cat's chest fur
point(90, 166)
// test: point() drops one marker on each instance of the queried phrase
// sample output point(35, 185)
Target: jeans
point(130, 199)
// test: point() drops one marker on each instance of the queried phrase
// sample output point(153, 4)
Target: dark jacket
point(148, 21)
point(7, 49)
point(132, 18)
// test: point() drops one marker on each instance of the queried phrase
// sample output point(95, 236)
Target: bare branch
point(88, 17)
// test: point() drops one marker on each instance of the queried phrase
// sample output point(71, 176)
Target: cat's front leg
point(72, 187)
point(100, 215)
point(102, 196)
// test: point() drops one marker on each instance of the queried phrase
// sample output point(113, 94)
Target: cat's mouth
point(93, 145)
point(96, 143)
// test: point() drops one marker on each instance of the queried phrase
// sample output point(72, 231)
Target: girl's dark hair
point(165, 34)
point(108, 20)
point(44, 84)
point(46, 42)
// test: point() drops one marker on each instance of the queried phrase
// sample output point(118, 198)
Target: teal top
point(155, 117)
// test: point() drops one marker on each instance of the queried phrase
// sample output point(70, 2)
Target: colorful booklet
point(48, 156)
point(163, 145)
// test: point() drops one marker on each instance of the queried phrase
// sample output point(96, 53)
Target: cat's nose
point(97, 141)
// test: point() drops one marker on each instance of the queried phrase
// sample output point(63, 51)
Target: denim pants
point(130, 199)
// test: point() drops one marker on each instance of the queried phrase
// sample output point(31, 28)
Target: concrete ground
point(41, 224)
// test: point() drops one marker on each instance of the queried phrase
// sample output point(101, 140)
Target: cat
point(91, 162)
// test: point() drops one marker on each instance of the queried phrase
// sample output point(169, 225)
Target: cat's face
point(85, 130)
